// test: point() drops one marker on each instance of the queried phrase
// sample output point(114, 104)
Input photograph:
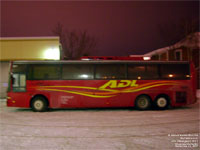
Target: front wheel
point(143, 102)
point(39, 104)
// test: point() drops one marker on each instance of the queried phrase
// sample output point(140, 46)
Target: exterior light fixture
point(52, 53)
point(146, 58)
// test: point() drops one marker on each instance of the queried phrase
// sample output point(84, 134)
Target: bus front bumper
point(10, 102)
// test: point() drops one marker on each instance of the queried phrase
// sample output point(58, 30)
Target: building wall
point(155, 57)
point(185, 54)
point(28, 48)
point(171, 55)
point(163, 56)
point(196, 61)
point(4, 69)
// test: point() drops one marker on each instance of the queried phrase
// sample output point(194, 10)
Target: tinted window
point(18, 68)
point(136, 71)
point(46, 72)
point(110, 71)
point(77, 71)
point(152, 72)
point(174, 71)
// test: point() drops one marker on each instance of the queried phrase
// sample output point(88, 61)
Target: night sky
point(120, 28)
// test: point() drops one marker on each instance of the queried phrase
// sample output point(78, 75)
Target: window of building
point(178, 54)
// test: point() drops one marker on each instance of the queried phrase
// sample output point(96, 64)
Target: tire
point(143, 102)
point(161, 103)
point(39, 104)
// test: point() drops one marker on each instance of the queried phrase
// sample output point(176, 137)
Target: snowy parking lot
point(99, 129)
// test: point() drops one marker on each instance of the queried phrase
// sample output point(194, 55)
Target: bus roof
point(98, 62)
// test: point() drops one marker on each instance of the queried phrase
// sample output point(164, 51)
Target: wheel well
point(165, 96)
point(143, 95)
point(39, 95)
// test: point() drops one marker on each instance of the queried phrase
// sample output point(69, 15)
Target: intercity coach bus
point(104, 83)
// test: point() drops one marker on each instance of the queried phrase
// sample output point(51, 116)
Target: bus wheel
point(39, 104)
point(143, 102)
point(161, 103)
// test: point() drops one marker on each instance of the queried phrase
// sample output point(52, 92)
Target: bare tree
point(74, 43)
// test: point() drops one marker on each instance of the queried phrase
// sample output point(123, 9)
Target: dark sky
point(121, 28)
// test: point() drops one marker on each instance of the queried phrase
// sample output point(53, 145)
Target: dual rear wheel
point(144, 102)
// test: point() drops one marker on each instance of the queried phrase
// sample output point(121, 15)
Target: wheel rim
point(161, 102)
point(143, 103)
point(38, 105)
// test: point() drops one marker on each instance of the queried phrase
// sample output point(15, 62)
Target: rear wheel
point(161, 103)
point(143, 102)
point(39, 104)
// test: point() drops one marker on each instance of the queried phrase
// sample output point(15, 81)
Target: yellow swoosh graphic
point(82, 87)
point(108, 92)
point(79, 93)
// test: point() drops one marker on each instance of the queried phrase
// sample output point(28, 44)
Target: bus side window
point(174, 71)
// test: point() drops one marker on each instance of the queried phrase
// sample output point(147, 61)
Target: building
point(25, 48)
point(187, 49)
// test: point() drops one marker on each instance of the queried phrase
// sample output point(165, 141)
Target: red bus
point(105, 83)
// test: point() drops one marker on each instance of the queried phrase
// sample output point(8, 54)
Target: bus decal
point(121, 84)
point(106, 90)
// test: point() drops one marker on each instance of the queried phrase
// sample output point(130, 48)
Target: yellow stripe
point(152, 83)
point(110, 92)
point(82, 87)
point(79, 93)
point(147, 87)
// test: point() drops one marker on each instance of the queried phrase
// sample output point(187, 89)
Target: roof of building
point(30, 38)
point(191, 41)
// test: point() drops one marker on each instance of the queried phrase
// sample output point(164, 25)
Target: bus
point(144, 85)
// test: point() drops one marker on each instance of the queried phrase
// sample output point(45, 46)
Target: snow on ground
point(99, 129)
